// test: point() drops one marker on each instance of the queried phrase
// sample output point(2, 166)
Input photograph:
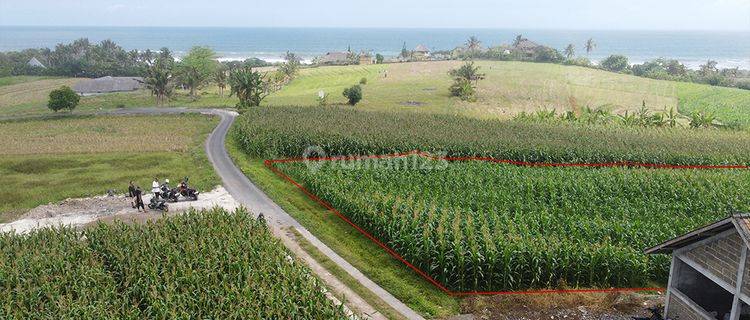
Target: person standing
point(131, 193)
point(139, 200)
point(155, 188)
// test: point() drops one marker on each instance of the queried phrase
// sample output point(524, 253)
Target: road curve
point(248, 194)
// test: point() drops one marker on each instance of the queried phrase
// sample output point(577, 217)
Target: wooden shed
point(710, 274)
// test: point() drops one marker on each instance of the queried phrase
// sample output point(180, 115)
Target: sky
point(518, 14)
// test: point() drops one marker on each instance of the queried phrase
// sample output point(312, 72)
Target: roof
point(421, 48)
point(526, 44)
point(108, 84)
point(333, 57)
point(740, 222)
point(34, 62)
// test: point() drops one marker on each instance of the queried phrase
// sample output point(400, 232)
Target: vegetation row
point(202, 265)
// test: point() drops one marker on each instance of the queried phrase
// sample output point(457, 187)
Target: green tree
point(405, 54)
point(464, 79)
point(467, 71)
point(570, 51)
point(473, 44)
point(615, 63)
point(250, 86)
point(197, 67)
point(379, 58)
point(159, 78)
point(63, 98)
point(353, 94)
point(221, 79)
point(291, 66)
point(590, 46)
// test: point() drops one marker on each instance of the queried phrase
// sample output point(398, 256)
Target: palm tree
point(590, 45)
point(160, 81)
point(518, 40)
point(250, 86)
point(473, 44)
point(221, 80)
point(570, 51)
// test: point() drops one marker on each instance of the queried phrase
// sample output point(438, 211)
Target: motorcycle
point(168, 194)
point(156, 204)
point(189, 193)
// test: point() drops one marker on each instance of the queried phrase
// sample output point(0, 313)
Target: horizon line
point(382, 28)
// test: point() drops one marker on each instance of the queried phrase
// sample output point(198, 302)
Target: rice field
point(478, 226)
point(43, 161)
point(203, 265)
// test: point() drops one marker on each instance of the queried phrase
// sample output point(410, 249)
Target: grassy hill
point(510, 87)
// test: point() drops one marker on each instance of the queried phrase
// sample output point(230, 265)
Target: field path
point(250, 196)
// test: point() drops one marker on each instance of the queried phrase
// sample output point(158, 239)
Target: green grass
point(50, 160)
point(6, 81)
point(480, 226)
point(510, 87)
point(199, 265)
point(362, 253)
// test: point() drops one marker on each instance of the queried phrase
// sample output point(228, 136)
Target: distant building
point(366, 58)
point(108, 84)
point(526, 48)
point(34, 62)
point(421, 53)
point(334, 58)
point(710, 273)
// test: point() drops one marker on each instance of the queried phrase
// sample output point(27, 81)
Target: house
point(366, 58)
point(107, 85)
point(421, 53)
point(526, 48)
point(334, 58)
point(34, 62)
point(710, 274)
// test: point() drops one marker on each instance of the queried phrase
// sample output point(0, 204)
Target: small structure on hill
point(421, 53)
point(108, 84)
point(34, 62)
point(710, 273)
point(334, 58)
point(526, 48)
point(366, 58)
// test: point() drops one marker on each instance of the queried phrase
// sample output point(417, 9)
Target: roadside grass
point(6, 81)
point(377, 303)
point(45, 161)
point(355, 248)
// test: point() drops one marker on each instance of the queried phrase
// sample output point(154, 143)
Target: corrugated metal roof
point(740, 222)
point(108, 84)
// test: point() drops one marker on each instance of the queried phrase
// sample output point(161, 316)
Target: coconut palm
point(221, 80)
point(473, 44)
point(250, 86)
point(590, 46)
point(570, 51)
point(518, 40)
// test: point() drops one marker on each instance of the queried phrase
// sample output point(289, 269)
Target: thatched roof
point(334, 58)
point(421, 48)
point(526, 45)
point(34, 62)
point(108, 84)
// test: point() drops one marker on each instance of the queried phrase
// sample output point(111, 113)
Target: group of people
point(136, 194)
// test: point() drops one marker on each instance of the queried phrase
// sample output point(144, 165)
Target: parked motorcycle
point(158, 204)
point(169, 194)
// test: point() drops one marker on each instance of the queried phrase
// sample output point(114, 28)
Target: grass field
point(50, 160)
point(509, 88)
point(206, 265)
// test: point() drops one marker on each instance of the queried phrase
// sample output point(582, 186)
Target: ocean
point(693, 48)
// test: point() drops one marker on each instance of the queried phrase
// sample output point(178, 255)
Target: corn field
point(200, 265)
point(287, 132)
point(487, 227)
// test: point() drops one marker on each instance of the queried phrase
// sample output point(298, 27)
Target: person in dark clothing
point(131, 194)
point(139, 200)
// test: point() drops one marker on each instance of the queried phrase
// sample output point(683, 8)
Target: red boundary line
point(270, 165)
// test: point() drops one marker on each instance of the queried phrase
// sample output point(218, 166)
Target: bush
point(463, 89)
point(63, 98)
point(745, 85)
point(353, 94)
point(615, 63)
point(363, 81)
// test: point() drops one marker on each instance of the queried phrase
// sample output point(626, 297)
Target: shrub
point(63, 98)
point(463, 89)
point(615, 63)
point(353, 94)
point(363, 81)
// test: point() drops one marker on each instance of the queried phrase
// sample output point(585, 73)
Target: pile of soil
point(568, 306)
